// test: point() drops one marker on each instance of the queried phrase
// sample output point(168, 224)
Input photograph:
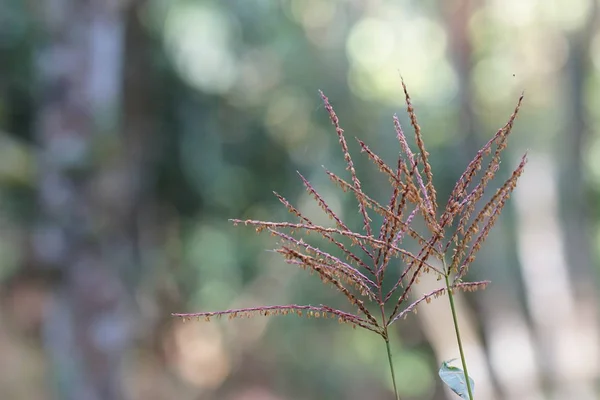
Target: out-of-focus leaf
point(454, 377)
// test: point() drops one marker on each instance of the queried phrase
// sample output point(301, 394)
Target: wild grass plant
point(448, 239)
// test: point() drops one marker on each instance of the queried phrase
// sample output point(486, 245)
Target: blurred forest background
point(131, 130)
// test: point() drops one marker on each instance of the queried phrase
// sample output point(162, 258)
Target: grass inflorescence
point(447, 243)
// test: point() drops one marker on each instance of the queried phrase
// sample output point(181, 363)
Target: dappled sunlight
point(287, 116)
point(381, 48)
point(313, 13)
point(260, 72)
point(199, 38)
point(569, 15)
point(563, 14)
point(540, 248)
point(199, 355)
point(515, 13)
point(513, 356)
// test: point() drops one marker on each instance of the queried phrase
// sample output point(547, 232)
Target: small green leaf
point(454, 377)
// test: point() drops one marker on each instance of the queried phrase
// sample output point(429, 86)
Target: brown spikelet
point(349, 255)
point(412, 307)
point(321, 202)
point(416, 266)
point(378, 208)
point(421, 145)
point(484, 221)
point(394, 178)
point(327, 277)
point(333, 265)
point(340, 132)
point(425, 204)
point(268, 311)
point(459, 201)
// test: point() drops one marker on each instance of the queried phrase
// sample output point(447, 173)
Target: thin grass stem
point(386, 335)
point(389, 353)
point(457, 330)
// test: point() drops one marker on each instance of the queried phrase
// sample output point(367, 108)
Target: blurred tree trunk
point(457, 15)
point(89, 184)
point(574, 206)
point(578, 371)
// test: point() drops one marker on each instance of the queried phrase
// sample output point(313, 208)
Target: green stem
point(389, 353)
point(385, 333)
point(458, 339)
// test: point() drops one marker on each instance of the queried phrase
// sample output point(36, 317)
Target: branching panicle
point(361, 273)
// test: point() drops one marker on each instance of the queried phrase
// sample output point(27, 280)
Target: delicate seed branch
point(362, 273)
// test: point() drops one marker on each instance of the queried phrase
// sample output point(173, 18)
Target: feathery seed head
point(358, 272)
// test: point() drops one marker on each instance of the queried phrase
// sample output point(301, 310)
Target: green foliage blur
point(236, 114)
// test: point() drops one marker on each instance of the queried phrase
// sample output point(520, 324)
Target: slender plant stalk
point(386, 335)
point(457, 330)
point(389, 353)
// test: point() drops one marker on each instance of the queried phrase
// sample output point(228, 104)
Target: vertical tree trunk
point(578, 369)
point(574, 208)
point(85, 196)
point(457, 16)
